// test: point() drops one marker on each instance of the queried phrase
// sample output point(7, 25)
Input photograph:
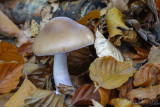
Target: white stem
point(60, 69)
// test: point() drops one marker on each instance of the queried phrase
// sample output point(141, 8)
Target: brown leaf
point(154, 55)
point(106, 70)
point(10, 74)
point(150, 92)
point(7, 26)
point(66, 90)
point(142, 51)
point(25, 48)
point(24, 91)
point(148, 74)
point(9, 53)
point(84, 94)
point(125, 88)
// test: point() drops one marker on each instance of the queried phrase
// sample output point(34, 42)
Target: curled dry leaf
point(66, 90)
point(29, 68)
point(118, 30)
point(43, 98)
point(147, 75)
point(17, 100)
point(9, 53)
point(121, 5)
point(150, 92)
point(105, 48)
point(10, 74)
point(106, 70)
point(154, 54)
point(89, 17)
point(119, 102)
point(84, 94)
point(104, 93)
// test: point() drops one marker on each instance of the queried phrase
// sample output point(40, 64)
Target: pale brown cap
point(62, 35)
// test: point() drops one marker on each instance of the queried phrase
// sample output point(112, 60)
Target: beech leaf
point(10, 73)
point(110, 73)
point(105, 48)
point(17, 100)
point(121, 5)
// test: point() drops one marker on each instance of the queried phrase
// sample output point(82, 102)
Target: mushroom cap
point(62, 35)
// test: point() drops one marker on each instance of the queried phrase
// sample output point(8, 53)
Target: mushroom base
point(60, 70)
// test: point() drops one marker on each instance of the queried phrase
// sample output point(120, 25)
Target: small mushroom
point(59, 36)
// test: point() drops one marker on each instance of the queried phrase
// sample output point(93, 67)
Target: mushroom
point(59, 36)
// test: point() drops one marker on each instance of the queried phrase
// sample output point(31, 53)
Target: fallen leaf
point(114, 22)
point(125, 88)
point(29, 68)
point(154, 55)
point(119, 102)
point(44, 98)
point(25, 48)
point(120, 5)
point(84, 94)
point(150, 92)
point(4, 98)
point(143, 51)
point(10, 73)
point(66, 90)
point(96, 104)
point(158, 5)
point(9, 53)
point(104, 93)
point(34, 27)
point(45, 20)
point(105, 48)
point(89, 17)
point(106, 70)
point(17, 100)
point(147, 75)
point(7, 26)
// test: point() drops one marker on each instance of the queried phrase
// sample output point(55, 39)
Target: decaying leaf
point(150, 92)
point(34, 27)
point(17, 100)
point(105, 48)
point(114, 22)
point(121, 5)
point(104, 93)
point(66, 90)
point(147, 75)
point(84, 94)
point(154, 54)
point(158, 5)
point(10, 74)
point(4, 98)
point(29, 68)
point(9, 53)
point(44, 98)
point(119, 102)
point(106, 70)
point(89, 17)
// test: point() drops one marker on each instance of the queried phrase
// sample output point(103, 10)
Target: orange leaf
point(84, 94)
point(25, 48)
point(10, 74)
point(9, 53)
point(89, 17)
point(146, 74)
point(158, 5)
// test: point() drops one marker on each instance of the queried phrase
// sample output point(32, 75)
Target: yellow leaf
point(34, 27)
point(119, 102)
point(24, 91)
point(29, 68)
point(44, 98)
point(9, 53)
point(10, 74)
point(89, 17)
point(110, 73)
point(114, 20)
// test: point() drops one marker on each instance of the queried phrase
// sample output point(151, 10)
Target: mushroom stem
point(60, 68)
